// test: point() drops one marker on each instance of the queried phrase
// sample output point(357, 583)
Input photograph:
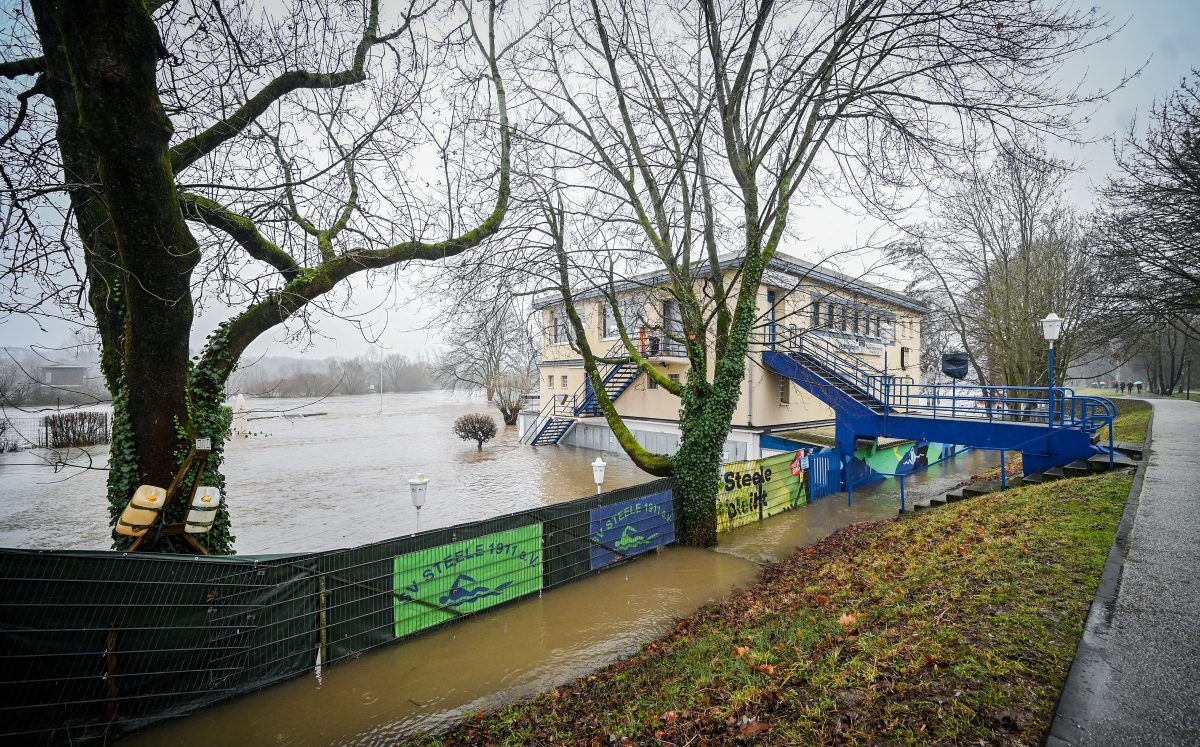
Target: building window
point(550, 381)
point(674, 378)
point(843, 317)
point(785, 390)
point(816, 315)
point(905, 354)
point(608, 322)
point(855, 323)
point(652, 383)
point(558, 328)
point(564, 381)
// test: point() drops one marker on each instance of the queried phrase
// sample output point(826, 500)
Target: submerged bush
point(475, 427)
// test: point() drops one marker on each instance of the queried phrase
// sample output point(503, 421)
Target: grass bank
point(953, 626)
point(1133, 416)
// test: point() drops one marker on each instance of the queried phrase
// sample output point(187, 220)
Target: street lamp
point(418, 486)
point(598, 473)
point(1051, 329)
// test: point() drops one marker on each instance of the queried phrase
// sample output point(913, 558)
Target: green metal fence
point(95, 644)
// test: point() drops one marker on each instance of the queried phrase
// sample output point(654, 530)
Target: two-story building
point(796, 299)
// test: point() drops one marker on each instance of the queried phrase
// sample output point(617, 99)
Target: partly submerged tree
point(475, 427)
point(490, 348)
point(162, 154)
point(671, 133)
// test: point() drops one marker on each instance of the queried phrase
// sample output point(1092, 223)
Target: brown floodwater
point(333, 480)
point(429, 682)
point(338, 479)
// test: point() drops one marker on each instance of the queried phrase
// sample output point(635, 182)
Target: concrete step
point(980, 488)
point(1100, 461)
point(920, 505)
point(1054, 473)
point(1034, 479)
point(937, 500)
point(954, 496)
point(1077, 468)
point(1134, 451)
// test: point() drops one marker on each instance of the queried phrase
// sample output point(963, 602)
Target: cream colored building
point(795, 299)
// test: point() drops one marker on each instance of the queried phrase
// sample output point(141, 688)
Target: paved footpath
point(1136, 679)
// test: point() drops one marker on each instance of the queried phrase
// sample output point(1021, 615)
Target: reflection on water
point(774, 539)
point(335, 480)
point(434, 679)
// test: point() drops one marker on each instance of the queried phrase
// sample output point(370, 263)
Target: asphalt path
point(1136, 678)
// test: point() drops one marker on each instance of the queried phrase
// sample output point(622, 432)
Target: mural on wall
point(447, 581)
point(630, 528)
point(758, 488)
point(904, 458)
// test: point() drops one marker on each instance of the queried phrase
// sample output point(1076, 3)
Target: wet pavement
point(1134, 682)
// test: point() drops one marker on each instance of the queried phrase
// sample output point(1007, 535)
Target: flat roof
point(792, 266)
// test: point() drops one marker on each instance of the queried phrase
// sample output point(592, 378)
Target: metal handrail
point(572, 405)
point(854, 371)
point(1002, 403)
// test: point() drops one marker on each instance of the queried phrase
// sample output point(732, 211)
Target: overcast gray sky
point(1162, 34)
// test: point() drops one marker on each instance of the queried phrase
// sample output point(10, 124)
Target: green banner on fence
point(448, 581)
point(759, 488)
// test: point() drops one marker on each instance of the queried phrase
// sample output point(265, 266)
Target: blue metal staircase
point(563, 411)
point(870, 403)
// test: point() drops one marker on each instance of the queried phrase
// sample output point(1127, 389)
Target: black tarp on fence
point(94, 644)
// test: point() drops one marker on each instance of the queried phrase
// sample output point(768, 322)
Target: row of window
point(848, 318)
point(632, 315)
point(833, 315)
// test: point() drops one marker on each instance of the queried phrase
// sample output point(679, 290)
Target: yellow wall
point(761, 408)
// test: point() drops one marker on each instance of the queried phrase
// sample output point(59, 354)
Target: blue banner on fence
point(631, 527)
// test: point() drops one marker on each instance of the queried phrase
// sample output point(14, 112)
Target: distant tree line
point(301, 377)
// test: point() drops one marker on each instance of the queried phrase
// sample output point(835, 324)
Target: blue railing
point(1014, 404)
point(852, 370)
point(582, 400)
point(899, 395)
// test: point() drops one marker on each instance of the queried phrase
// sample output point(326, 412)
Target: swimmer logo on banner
point(631, 527)
point(448, 581)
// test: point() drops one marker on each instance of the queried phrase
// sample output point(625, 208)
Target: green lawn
point(1133, 416)
point(954, 626)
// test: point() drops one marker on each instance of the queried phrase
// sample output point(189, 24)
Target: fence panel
point(93, 644)
point(826, 474)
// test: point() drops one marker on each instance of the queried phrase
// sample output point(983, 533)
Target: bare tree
point(163, 155)
point(491, 348)
point(475, 427)
point(1151, 211)
point(675, 131)
point(1003, 251)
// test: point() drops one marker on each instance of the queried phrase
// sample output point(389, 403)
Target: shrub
point(69, 429)
point(475, 427)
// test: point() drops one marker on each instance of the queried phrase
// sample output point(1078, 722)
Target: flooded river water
point(317, 483)
point(338, 479)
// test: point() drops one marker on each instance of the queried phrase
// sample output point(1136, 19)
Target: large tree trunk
point(101, 58)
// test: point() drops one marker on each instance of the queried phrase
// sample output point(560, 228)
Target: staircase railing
point(850, 369)
point(901, 395)
point(581, 400)
point(1025, 404)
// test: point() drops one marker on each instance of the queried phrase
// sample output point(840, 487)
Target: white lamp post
point(598, 472)
point(1051, 329)
point(418, 487)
